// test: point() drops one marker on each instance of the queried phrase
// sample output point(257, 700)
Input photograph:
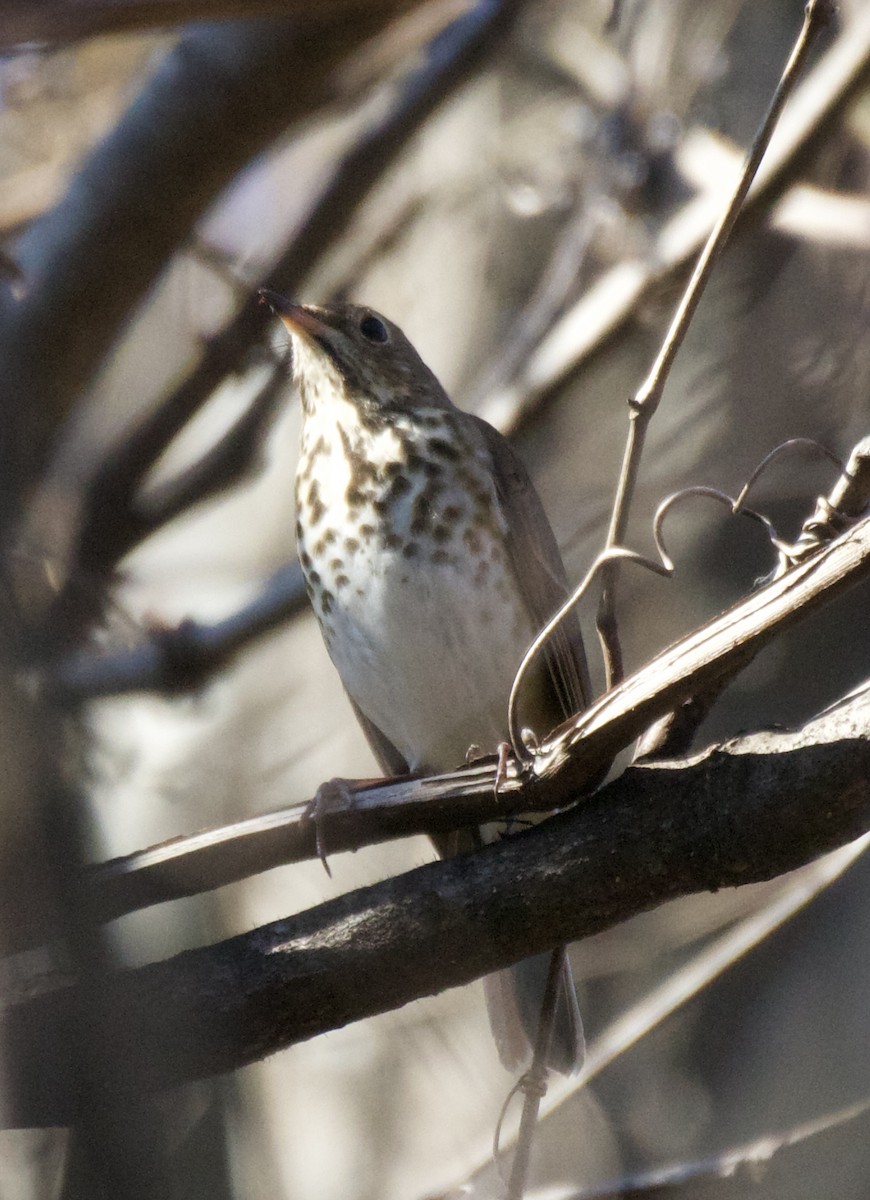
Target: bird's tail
point(513, 1000)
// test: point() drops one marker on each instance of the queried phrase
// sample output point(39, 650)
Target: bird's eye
point(373, 329)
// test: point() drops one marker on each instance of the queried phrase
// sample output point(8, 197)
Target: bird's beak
point(296, 317)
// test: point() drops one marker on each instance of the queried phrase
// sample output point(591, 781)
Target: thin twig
point(839, 510)
point(696, 662)
point(521, 750)
point(733, 1169)
point(613, 299)
point(177, 659)
point(846, 502)
point(534, 1084)
point(646, 400)
point(684, 984)
point(224, 466)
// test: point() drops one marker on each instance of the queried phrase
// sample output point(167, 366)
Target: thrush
point(430, 565)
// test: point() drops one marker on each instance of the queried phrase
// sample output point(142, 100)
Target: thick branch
point(738, 814)
point(65, 20)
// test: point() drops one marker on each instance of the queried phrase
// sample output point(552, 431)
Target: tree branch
point(217, 99)
point(740, 813)
point(65, 20)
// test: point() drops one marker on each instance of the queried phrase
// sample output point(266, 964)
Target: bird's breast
point(403, 545)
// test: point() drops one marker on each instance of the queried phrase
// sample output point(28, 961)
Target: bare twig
point(732, 1170)
point(846, 503)
point(176, 659)
point(694, 664)
point(571, 876)
point(534, 1083)
point(526, 753)
point(680, 986)
point(222, 467)
point(614, 298)
point(646, 400)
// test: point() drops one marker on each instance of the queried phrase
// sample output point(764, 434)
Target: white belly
point(428, 659)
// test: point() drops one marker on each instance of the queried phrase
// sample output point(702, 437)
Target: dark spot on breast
point(299, 530)
point(421, 514)
point(392, 541)
point(444, 449)
point(341, 581)
point(314, 578)
point(452, 513)
point(432, 469)
point(473, 540)
point(442, 533)
point(305, 559)
point(326, 602)
point(335, 564)
point(440, 556)
point(359, 467)
point(410, 550)
point(324, 542)
point(354, 496)
point(367, 532)
point(399, 487)
point(351, 545)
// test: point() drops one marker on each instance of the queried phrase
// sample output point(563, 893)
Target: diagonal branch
point(741, 813)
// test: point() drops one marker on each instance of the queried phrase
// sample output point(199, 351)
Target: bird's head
point(353, 351)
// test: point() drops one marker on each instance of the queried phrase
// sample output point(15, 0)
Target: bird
point(430, 565)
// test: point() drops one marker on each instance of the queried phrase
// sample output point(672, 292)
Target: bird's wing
point(389, 759)
point(540, 575)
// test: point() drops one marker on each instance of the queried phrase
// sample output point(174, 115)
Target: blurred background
point(519, 186)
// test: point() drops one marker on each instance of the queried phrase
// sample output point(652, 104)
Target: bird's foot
point(333, 796)
point(501, 769)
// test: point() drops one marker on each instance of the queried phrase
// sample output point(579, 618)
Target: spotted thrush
point(430, 565)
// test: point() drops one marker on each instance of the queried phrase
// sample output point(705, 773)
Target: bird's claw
point(501, 770)
point(333, 794)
